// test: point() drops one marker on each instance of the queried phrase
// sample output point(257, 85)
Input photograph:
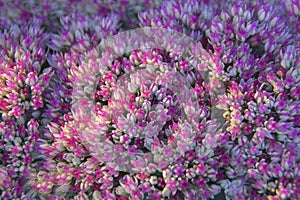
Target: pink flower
point(205, 194)
point(271, 125)
point(184, 185)
point(17, 111)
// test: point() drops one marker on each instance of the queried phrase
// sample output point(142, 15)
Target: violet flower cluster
point(130, 99)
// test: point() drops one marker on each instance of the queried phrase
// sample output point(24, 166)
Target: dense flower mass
point(139, 99)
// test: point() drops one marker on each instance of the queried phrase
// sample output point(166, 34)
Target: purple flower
point(84, 115)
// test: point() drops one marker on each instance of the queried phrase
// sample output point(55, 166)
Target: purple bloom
point(87, 113)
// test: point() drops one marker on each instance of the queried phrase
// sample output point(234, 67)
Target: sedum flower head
point(23, 73)
point(90, 112)
point(141, 124)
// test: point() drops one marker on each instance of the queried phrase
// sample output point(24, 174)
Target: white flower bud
point(153, 180)
point(146, 106)
point(96, 195)
point(167, 174)
point(132, 87)
point(166, 192)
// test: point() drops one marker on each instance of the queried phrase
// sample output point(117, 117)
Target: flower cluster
point(150, 117)
point(49, 13)
point(190, 17)
point(158, 135)
point(24, 77)
point(24, 74)
point(292, 8)
point(200, 101)
point(18, 157)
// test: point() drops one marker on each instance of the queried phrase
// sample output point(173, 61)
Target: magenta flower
point(137, 108)
point(88, 111)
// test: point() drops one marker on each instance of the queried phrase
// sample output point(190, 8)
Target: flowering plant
point(132, 99)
